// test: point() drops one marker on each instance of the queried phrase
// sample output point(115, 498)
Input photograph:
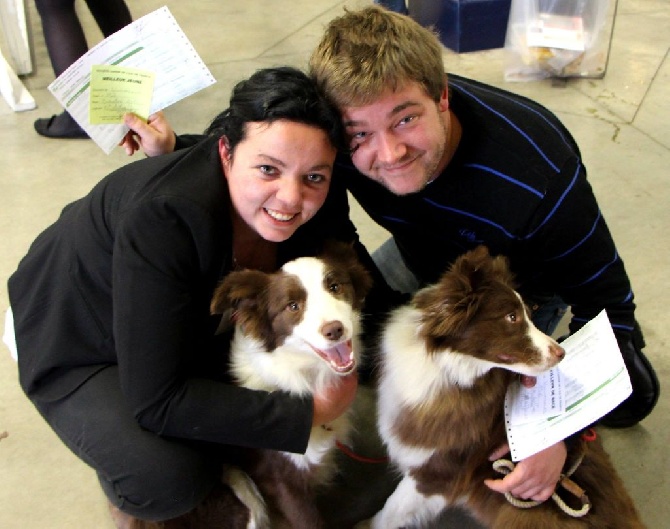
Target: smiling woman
point(116, 346)
point(278, 177)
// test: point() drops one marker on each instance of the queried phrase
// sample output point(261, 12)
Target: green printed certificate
point(588, 383)
point(116, 90)
point(149, 59)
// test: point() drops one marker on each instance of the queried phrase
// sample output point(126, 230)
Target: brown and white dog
point(447, 359)
point(296, 330)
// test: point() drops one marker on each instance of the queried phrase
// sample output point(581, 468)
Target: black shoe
point(646, 390)
point(60, 126)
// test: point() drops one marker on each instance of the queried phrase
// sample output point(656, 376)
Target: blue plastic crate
point(464, 25)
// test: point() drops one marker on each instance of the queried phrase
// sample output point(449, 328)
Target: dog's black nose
point(332, 330)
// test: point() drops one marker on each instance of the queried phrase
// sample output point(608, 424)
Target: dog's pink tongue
point(340, 357)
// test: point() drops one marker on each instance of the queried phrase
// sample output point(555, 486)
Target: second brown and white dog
point(296, 331)
point(447, 360)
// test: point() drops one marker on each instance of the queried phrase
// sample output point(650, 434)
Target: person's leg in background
point(392, 266)
point(66, 42)
point(547, 313)
point(110, 15)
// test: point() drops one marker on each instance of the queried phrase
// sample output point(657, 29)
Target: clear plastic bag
point(558, 38)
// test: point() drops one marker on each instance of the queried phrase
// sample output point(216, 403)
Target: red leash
point(589, 435)
point(362, 459)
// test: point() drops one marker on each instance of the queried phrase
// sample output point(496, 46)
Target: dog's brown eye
point(293, 306)
point(334, 287)
point(511, 317)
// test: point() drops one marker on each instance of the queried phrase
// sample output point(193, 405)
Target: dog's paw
point(246, 491)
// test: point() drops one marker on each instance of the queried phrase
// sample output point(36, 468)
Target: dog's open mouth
point(340, 357)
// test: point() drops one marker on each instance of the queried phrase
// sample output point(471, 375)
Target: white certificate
point(588, 383)
point(153, 43)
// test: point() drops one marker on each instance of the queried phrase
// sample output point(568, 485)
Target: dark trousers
point(145, 475)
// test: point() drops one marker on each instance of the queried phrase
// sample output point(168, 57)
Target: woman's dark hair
point(272, 94)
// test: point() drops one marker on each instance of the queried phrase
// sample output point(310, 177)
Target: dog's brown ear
point(501, 270)
point(449, 305)
point(473, 264)
point(219, 303)
point(480, 254)
point(481, 267)
point(464, 275)
point(236, 288)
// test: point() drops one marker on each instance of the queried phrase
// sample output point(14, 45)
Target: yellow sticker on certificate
point(116, 90)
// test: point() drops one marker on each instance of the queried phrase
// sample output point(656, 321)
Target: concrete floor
point(621, 123)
